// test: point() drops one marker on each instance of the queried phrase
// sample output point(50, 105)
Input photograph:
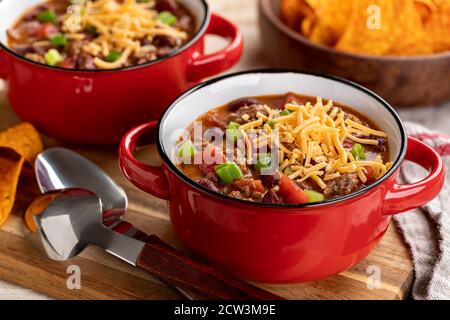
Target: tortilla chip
point(438, 26)
point(18, 144)
point(409, 33)
point(9, 178)
point(407, 27)
point(291, 12)
point(425, 8)
point(332, 20)
point(295, 12)
point(358, 38)
point(23, 139)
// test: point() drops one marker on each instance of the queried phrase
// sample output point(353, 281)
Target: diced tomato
point(67, 63)
point(369, 174)
point(291, 192)
point(46, 30)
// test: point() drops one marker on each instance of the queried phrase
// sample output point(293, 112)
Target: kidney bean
point(207, 183)
point(85, 61)
point(167, 5)
point(271, 181)
point(292, 98)
point(163, 41)
point(381, 146)
point(271, 197)
point(347, 143)
point(242, 102)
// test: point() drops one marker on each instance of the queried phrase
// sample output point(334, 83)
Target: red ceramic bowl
point(98, 107)
point(280, 243)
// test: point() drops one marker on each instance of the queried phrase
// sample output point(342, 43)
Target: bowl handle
point(148, 178)
point(401, 198)
point(208, 65)
point(2, 64)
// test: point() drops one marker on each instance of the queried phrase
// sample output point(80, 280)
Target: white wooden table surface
point(244, 14)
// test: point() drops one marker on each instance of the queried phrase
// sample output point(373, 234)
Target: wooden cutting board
point(105, 277)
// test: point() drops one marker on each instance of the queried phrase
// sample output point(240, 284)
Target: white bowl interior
point(189, 107)
point(12, 10)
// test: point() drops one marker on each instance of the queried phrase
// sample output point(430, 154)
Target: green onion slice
point(285, 112)
point(187, 149)
point(233, 132)
point(113, 56)
point(263, 161)
point(358, 152)
point(228, 172)
point(288, 171)
point(91, 30)
point(167, 18)
point(59, 40)
point(52, 57)
point(314, 196)
point(47, 16)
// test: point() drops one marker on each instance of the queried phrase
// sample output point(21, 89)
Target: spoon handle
point(161, 260)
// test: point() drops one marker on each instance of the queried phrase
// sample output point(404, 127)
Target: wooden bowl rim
point(265, 6)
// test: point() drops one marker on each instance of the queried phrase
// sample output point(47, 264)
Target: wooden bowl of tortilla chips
point(399, 49)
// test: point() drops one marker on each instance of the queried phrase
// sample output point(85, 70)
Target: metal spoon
point(60, 168)
point(63, 223)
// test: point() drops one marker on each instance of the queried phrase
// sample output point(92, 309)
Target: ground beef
point(304, 185)
point(244, 169)
point(345, 184)
point(208, 171)
point(237, 194)
point(31, 28)
point(165, 45)
point(74, 47)
point(247, 110)
point(250, 188)
point(212, 119)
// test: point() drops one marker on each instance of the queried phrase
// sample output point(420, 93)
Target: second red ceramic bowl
point(98, 107)
point(280, 243)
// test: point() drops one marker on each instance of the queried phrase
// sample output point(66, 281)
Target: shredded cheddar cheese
point(121, 26)
point(312, 142)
